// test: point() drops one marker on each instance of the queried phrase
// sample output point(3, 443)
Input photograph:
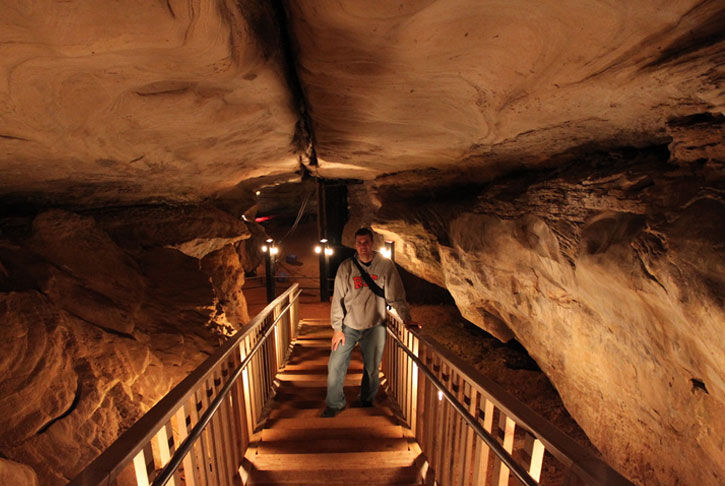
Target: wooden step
point(341, 420)
point(317, 366)
point(333, 461)
point(372, 476)
point(305, 413)
point(303, 380)
point(317, 446)
point(360, 432)
point(314, 393)
point(314, 343)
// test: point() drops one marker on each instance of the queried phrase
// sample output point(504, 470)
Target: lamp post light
point(388, 251)
point(325, 251)
point(270, 251)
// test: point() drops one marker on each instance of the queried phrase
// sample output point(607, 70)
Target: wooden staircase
point(363, 446)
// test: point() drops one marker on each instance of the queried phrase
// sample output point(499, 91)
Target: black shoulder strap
point(368, 279)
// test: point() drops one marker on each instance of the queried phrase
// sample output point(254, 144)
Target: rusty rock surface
point(611, 274)
point(94, 334)
point(497, 85)
point(106, 103)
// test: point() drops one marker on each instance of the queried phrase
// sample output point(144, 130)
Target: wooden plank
point(537, 460)
point(322, 445)
point(508, 444)
point(247, 389)
point(332, 461)
point(480, 467)
point(359, 431)
point(439, 414)
point(470, 435)
point(447, 431)
point(201, 444)
point(225, 428)
point(299, 413)
point(216, 447)
point(370, 476)
point(180, 433)
point(240, 421)
point(459, 434)
point(139, 468)
point(341, 420)
point(164, 454)
point(415, 396)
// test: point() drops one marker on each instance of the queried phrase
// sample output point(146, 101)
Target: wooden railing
point(472, 432)
point(198, 433)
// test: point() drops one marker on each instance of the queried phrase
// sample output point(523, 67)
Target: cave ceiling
point(182, 100)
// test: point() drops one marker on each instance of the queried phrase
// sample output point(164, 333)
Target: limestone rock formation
point(217, 240)
point(226, 273)
point(99, 282)
point(500, 140)
point(195, 230)
point(499, 85)
point(18, 474)
point(611, 274)
point(133, 101)
point(93, 335)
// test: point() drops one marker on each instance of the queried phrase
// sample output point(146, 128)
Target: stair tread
point(334, 461)
point(346, 445)
point(278, 413)
point(361, 432)
point(341, 420)
point(372, 476)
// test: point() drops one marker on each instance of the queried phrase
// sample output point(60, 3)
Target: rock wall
point(100, 318)
point(115, 103)
point(611, 272)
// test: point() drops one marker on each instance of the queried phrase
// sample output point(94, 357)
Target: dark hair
point(364, 232)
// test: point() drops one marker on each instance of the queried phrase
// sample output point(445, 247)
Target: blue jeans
point(372, 343)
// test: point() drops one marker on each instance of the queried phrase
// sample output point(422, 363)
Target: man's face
point(364, 247)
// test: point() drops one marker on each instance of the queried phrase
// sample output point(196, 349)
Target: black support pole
point(324, 281)
point(269, 277)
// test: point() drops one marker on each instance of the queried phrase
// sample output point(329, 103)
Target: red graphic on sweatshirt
point(360, 283)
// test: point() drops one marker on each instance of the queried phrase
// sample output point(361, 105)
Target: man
point(358, 316)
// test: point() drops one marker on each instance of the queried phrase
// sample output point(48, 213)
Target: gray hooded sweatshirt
point(355, 305)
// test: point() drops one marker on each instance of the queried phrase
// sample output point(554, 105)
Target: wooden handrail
point(502, 453)
point(577, 460)
point(139, 436)
point(185, 447)
point(559, 444)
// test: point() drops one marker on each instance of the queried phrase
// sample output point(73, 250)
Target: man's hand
point(338, 337)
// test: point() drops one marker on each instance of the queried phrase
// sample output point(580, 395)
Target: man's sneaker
point(331, 412)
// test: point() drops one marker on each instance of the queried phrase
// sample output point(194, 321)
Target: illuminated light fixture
point(385, 252)
point(328, 251)
point(269, 240)
point(274, 250)
point(258, 193)
point(318, 249)
point(244, 217)
point(440, 395)
point(323, 240)
point(264, 248)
